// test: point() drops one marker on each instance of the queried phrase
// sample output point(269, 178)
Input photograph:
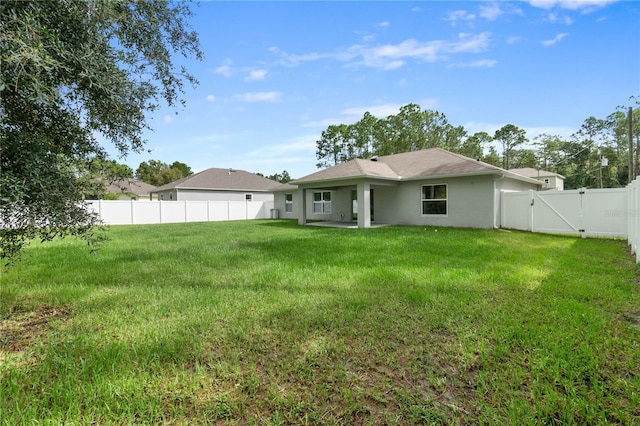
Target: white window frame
point(427, 200)
point(248, 197)
point(288, 202)
point(323, 205)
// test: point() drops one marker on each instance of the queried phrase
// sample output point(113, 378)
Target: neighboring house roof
point(427, 163)
point(535, 173)
point(130, 186)
point(222, 180)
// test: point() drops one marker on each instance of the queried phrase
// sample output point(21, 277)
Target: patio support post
point(302, 219)
point(364, 205)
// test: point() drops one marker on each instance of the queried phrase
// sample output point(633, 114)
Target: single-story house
point(427, 187)
point(550, 180)
point(218, 185)
point(130, 189)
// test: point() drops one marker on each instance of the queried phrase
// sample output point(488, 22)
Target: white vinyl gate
point(586, 212)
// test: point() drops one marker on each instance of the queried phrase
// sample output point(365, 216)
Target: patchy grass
point(266, 322)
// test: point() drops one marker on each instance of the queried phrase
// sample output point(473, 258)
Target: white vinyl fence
point(633, 217)
point(134, 212)
point(612, 212)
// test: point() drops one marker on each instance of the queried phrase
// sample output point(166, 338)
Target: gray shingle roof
point(534, 173)
point(408, 165)
point(223, 180)
point(131, 186)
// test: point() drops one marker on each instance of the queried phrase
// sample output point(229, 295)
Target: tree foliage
point(158, 173)
point(74, 71)
point(283, 177)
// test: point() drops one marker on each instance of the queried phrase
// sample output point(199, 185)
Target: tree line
point(596, 156)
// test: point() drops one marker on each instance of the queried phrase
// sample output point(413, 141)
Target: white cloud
point(585, 6)
point(491, 11)
point(252, 97)
point(168, 119)
point(256, 75)
point(211, 98)
point(384, 24)
point(390, 56)
point(556, 39)
point(482, 63)
point(394, 56)
point(224, 70)
point(459, 15)
point(514, 39)
point(554, 18)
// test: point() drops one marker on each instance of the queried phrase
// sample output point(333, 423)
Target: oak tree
point(74, 73)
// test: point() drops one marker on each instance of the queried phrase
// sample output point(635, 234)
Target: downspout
point(497, 201)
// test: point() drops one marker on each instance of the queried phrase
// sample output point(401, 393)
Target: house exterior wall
point(469, 203)
point(207, 195)
point(472, 201)
point(554, 182)
point(279, 203)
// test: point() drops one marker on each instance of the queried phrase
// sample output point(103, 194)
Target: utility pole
point(630, 133)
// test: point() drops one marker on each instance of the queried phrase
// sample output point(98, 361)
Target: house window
point(248, 197)
point(161, 197)
point(171, 196)
point(288, 203)
point(546, 180)
point(434, 199)
point(322, 202)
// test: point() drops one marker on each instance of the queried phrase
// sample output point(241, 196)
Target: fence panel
point(145, 212)
point(590, 212)
point(557, 212)
point(516, 210)
point(197, 211)
point(605, 212)
point(124, 212)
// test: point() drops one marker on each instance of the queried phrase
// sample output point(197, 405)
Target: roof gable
point(222, 179)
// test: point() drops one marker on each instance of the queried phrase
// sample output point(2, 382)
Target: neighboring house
point(130, 189)
point(218, 185)
point(427, 187)
point(550, 180)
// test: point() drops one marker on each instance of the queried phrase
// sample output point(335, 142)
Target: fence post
point(131, 213)
point(532, 202)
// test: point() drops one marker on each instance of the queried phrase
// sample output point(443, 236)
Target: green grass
point(266, 322)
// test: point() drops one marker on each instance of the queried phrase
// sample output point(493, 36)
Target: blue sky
point(276, 74)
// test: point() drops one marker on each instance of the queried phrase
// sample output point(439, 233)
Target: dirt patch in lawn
point(23, 327)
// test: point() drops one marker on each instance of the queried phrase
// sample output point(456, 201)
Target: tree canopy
point(158, 173)
point(75, 72)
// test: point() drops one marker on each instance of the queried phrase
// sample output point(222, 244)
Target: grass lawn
point(266, 322)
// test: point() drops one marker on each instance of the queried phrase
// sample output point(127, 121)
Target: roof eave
point(421, 177)
point(344, 178)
